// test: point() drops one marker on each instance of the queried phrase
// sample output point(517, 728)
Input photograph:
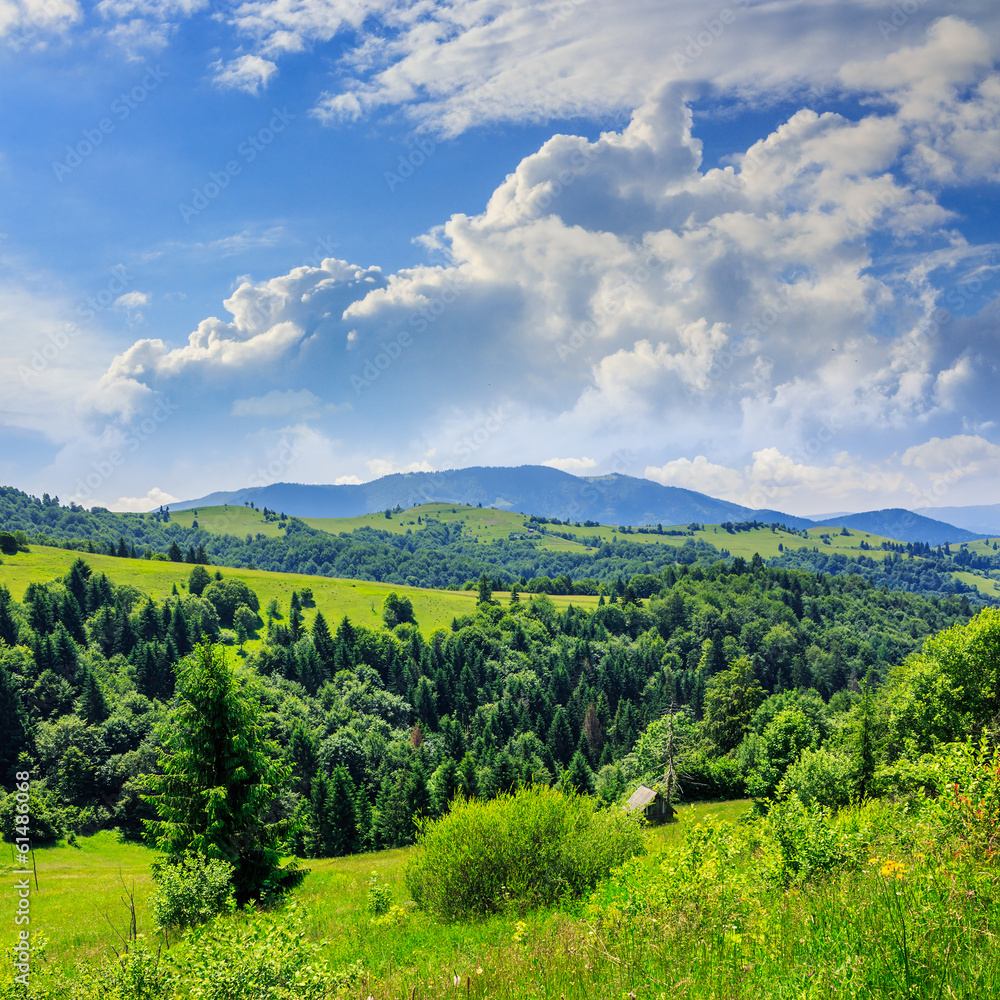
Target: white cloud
point(700, 475)
point(616, 293)
point(153, 499)
point(576, 466)
point(379, 467)
point(29, 22)
point(247, 73)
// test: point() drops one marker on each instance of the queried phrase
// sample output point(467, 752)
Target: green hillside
point(359, 600)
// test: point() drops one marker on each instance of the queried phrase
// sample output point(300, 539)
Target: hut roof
point(641, 798)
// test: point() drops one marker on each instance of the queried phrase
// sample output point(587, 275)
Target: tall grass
point(883, 900)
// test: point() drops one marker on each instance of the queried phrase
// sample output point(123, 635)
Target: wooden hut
point(652, 803)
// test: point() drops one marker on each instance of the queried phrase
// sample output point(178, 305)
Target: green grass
point(80, 889)
point(79, 885)
point(360, 600)
point(229, 519)
point(905, 910)
point(489, 524)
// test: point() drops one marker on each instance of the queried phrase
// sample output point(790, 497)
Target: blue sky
point(749, 249)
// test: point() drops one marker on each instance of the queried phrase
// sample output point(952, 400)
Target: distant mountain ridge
point(531, 489)
point(548, 492)
point(984, 519)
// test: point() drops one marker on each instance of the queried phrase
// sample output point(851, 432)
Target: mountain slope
point(531, 489)
point(984, 519)
point(904, 525)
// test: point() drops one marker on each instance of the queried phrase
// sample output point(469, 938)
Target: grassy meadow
point(360, 600)
point(880, 901)
point(82, 887)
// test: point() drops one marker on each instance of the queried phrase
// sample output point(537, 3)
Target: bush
point(818, 776)
point(191, 890)
point(379, 896)
point(531, 848)
point(263, 955)
point(807, 841)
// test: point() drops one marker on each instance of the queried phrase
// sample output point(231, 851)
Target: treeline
point(434, 556)
point(929, 574)
point(382, 725)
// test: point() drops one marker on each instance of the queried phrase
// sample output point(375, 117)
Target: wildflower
point(893, 869)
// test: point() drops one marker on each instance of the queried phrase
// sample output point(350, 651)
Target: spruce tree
point(220, 775)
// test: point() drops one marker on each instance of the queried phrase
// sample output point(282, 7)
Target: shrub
point(191, 890)
point(518, 851)
point(379, 896)
point(262, 955)
point(806, 839)
point(818, 776)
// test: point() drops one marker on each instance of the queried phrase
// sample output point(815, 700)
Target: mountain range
point(548, 492)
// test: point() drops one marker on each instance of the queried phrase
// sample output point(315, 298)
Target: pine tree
point(92, 707)
point(578, 777)
point(12, 718)
point(323, 643)
point(560, 738)
point(219, 777)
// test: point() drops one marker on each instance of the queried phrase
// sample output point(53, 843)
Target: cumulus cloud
point(616, 292)
point(28, 22)
point(153, 499)
point(247, 73)
point(700, 475)
point(386, 467)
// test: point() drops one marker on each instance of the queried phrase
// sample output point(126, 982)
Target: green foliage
point(47, 822)
point(219, 776)
point(228, 595)
point(397, 610)
point(198, 580)
point(379, 898)
point(822, 777)
point(731, 698)
point(520, 851)
point(257, 956)
point(190, 890)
